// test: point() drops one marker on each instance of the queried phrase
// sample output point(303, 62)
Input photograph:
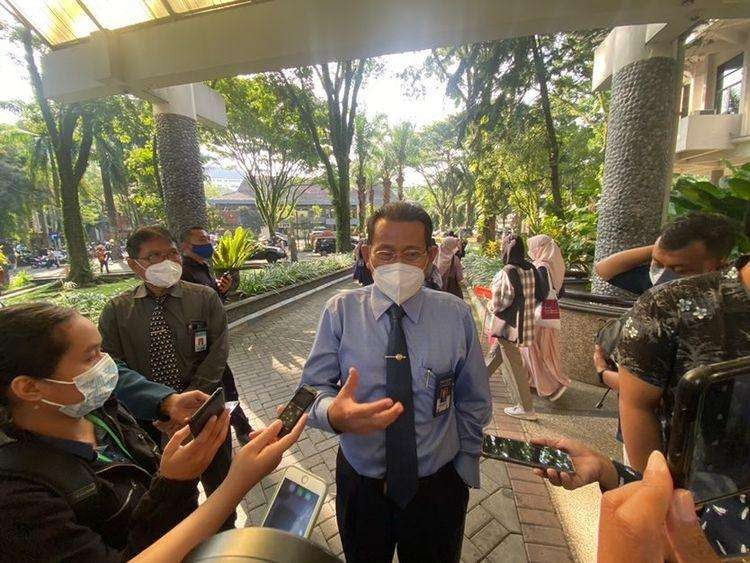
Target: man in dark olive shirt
point(691, 244)
point(197, 251)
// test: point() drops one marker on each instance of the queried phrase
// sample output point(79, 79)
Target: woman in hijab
point(516, 289)
point(448, 265)
point(542, 357)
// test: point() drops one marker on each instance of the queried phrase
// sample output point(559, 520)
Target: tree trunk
point(400, 184)
point(75, 236)
point(552, 144)
point(109, 201)
point(469, 211)
point(343, 208)
point(361, 201)
point(487, 226)
point(386, 189)
point(371, 197)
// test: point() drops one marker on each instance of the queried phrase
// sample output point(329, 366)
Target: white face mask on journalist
point(398, 281)
point(164, 274)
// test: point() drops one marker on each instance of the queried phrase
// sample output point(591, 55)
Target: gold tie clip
point(397, 357)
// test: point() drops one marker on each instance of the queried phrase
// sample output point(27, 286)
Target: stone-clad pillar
point(181, 171)
point(639, 155)
point(177, 110)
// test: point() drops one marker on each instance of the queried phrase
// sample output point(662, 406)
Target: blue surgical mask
point(95, 384)
point(205, 251)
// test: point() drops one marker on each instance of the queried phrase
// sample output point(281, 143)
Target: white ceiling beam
point(285, 33)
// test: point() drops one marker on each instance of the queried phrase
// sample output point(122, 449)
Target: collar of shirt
point(142, 291)
point(81, 449)
point(380, 303)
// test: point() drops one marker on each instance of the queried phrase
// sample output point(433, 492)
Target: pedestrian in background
point(361, 273)
point(542, 356)
point(448, 265)
point(516, 289)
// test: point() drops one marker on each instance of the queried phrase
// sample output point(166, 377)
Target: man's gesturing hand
point(347, 415)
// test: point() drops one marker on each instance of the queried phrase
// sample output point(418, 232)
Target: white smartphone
point(296, 502)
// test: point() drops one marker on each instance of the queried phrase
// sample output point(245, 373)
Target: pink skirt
point(542, 360)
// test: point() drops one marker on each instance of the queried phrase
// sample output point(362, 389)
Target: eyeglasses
point(407, 256)
point(156, 257)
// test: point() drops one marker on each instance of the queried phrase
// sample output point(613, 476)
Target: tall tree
point(70, 129)
point(404, 151)
point(366, 133)
point(341, 83)
point(267, 141)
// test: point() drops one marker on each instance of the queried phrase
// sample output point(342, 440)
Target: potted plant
point(232, 251)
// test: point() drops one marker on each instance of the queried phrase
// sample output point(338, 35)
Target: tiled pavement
point(510, 519)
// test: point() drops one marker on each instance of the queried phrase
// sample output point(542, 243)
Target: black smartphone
point(525, 453)
point(292, 412)
point(213, 406)
point(709, 441)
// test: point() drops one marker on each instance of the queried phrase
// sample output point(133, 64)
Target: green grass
point(88, 300)
point(283, 274)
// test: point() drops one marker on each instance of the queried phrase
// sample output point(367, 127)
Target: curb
point(258, 305)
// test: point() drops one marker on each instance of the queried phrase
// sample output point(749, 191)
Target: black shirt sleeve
point(635, 281)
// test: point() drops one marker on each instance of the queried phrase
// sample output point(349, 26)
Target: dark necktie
point(161, 348)
point(400, 440)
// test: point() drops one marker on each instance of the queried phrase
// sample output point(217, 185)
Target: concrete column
point(640, 147)
point(177, 110)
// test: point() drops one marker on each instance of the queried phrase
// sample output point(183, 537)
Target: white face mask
point(398, 281)
point(660, 274)
point(164, 274)
point(95, 384)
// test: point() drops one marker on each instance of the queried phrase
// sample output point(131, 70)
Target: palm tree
point(404, 149)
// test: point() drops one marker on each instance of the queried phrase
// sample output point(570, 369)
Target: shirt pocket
point(425, 389)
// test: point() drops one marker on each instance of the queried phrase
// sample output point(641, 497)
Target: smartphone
point(213, 406)
point(709, 441)
point(292, 412)
point(296, 502)
point(525, 453)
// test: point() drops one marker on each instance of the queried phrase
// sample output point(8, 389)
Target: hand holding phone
point(525, 453)
point(296, 502)
point(296, 407)
point(212, 407)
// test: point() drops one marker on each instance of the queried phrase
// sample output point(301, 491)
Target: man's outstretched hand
point(347, 415)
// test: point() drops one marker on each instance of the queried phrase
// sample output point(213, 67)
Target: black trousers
point(430, 528)
point(238, 418)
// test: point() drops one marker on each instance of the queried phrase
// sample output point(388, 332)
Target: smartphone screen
point(292, 508)
point(720, 462)
point(213, 406)
point(302, 399)
point(525, 453)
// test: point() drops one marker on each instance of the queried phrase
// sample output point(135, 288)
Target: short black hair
point(145, 234)
point(30, 341)
point(404, 213)
point(712, 229)
point(187, 232)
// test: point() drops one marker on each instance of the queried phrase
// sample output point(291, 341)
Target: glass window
point(729, 85)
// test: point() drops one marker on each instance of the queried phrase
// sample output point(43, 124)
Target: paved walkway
point(510, 519)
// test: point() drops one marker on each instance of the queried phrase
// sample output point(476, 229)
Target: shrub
point(276, 276)
point(20, 280)
point(234, 249)
point(479, 269)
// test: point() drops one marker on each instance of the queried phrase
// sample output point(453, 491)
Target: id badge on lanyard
point(199, 336)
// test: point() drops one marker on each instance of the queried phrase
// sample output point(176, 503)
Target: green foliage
point(576, 236)
point(21, 279)
point(234, 249)
point(730, 198)
point(491, 249)
point(3, 259)
point(275, 276)
point(479, 269)
point(89, 301)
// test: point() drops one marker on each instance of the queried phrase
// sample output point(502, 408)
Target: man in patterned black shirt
point(672, 329)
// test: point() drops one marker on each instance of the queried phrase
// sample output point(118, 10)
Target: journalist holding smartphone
point(402, 379)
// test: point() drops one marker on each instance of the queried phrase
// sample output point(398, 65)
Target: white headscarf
point(543, 251)
point(446, 251)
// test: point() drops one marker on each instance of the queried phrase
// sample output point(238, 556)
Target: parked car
point(269, 253)
point(327, 245)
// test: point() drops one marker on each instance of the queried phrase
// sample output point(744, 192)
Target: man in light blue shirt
point(402, 379)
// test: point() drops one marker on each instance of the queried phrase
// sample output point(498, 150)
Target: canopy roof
point(61, 22)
